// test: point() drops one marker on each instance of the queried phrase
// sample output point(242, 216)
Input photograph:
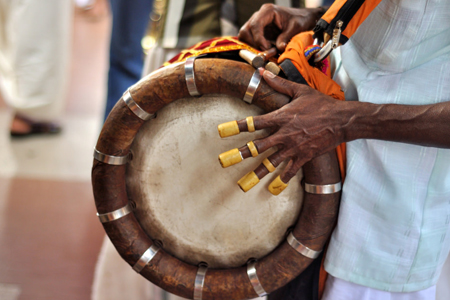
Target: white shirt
point(393, 227)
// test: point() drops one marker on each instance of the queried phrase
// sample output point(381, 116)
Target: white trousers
point(338, 289)
point(35, 40)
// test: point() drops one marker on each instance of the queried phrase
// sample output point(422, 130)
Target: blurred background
point(50, 237)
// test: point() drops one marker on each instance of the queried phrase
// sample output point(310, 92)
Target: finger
point(282, 85)
point(267, 166)
point(280, 183)
point(286, 36)
point(249, 124)
point(251, 149)
point(245, 35)
point(291, 169)
point(258, 37)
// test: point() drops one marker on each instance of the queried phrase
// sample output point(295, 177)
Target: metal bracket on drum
point(190, 77)
point(200, 281)
point(254, 280)
point(146, 258)
point(111, 159)
point(302, 249)
point(135, 108)
point(323, 189)
point(252, 87)
point(115, 215)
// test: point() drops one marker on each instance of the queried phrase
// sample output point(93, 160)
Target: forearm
point(426, 125)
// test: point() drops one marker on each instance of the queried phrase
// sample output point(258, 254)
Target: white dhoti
point(35, 40)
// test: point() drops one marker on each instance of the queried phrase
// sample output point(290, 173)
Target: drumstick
point(257, 61)
point(273, 68)
point(269, 53)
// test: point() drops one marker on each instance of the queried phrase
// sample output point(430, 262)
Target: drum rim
point(108, 180)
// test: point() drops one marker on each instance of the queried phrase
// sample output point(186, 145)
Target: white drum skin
point(185, 199)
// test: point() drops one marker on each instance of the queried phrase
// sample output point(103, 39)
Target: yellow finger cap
point(250, 124)
point(270, 167)
point(230, 158)
point(248, 181)
point(228, 129)
point(277, 186)
point(251, 146)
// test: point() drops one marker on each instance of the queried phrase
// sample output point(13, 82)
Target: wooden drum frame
point(212, 76)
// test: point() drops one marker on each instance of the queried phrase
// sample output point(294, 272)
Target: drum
point(179, 218)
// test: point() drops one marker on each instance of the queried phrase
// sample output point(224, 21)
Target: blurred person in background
point(126, 57)
point(34, 62)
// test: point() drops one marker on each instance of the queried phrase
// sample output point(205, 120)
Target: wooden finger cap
point(266, 162)
point(277, 186)
point(251, 146)
point(228, 129)
point(230, 158)
point(273, 68)
point(250, 124)
point(248, 181)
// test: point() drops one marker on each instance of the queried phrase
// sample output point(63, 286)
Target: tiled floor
point(49, 235)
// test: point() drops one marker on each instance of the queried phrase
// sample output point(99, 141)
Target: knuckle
point(268, 6)
point(290, 173)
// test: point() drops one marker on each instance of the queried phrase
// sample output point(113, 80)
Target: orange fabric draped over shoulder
point(315, 78)
point(351, 12)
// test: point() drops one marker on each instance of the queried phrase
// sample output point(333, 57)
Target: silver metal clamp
point(302, 249)
point(252, 87)
point(115, 215)
point(148, 255)
point(111, 159)
point(323, 189)
point(254, 280)
point(200, 281)
point(190, 77)
point(135, 108)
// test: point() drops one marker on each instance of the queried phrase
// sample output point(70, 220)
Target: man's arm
point(314, 124)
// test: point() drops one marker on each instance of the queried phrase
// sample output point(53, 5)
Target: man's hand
point(311, 125)
point(278, 24)
point(314, 124)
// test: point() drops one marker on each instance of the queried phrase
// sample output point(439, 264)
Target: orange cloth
point(356, 20)
point(314, 77)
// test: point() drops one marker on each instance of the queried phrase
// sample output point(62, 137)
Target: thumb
point(284, 38)
point(282, 41)
point(281, 85)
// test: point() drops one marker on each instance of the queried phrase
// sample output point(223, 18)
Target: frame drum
point(186, 200)
point(176, 216)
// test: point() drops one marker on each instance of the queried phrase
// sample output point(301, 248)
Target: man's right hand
point(277, 23)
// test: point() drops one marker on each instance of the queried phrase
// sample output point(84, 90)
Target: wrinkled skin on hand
point(279, 24)
point(311, 125)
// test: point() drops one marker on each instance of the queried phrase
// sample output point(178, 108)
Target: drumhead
point(186, 200)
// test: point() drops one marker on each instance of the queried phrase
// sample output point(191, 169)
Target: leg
point(130, 19)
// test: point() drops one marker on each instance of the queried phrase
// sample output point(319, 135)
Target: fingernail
point(269, 74)
point(261, 71)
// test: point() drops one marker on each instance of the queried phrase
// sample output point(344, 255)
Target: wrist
point(355, 120)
